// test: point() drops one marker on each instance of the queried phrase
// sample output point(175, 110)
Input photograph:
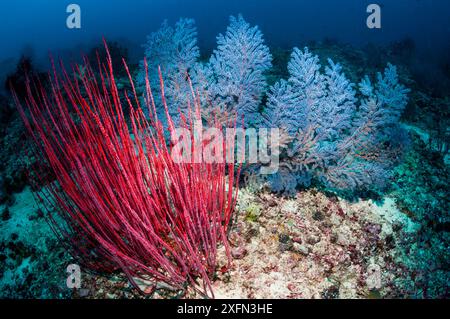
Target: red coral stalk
point(126, 203)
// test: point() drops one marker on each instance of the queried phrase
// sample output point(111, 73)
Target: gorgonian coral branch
point(174, 49)
point(235, 71)
point(231, 82)
point(121, 200)
point(341, 142)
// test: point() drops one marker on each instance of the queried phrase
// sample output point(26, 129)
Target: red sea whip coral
point(121, 201)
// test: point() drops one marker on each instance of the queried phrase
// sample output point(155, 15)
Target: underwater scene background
point(93, 204)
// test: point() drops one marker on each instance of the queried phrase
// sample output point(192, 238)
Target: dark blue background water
point(36, 26)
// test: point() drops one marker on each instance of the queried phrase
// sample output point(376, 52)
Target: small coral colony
point(119, 199)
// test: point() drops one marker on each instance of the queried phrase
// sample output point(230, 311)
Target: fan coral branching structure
point(175, 51)
point(330, 136)
point(231, 82)
point(235, 72)
point(343, 136)
point(125, 202)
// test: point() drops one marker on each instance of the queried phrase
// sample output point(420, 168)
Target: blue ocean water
point(39, 25)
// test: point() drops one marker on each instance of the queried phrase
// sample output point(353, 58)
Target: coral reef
point(120, 199)
point(15, 159)
point(314, 246)
point(235, 72)
point(33, 261)
point(232, 81)
point(174, 51)
point(328, 135)
point(338, 137)
point(345, 139)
